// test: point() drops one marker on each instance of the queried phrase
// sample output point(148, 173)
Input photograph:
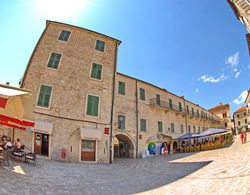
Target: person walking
point(242, 137)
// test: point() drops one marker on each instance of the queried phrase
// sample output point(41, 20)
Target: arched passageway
point(123, 146)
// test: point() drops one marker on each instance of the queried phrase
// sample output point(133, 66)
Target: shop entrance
point(123, 147)
point(41, 144)
point(88, 150)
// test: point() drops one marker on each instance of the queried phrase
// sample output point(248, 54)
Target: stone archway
point(124, 146)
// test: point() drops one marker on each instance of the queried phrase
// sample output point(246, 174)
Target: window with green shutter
point(54, 60)
point(143, 124)
point(100, 45)
point(92, 105)
point(172, 127)
point(96, 71)
point(159, 126)
point(158, 99)
point(44, 96)
point(121, 122)
point(170, 103)
point(64, 36)
point(121, 88)
point(142, 94)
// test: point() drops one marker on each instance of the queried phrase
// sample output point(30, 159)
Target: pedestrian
point(242, 137)
point(245, 136)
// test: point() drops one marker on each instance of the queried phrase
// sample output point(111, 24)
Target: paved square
point(222, 171)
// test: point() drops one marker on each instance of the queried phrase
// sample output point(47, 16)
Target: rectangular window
point(187, 110)
point(199, 129)
point(121, 88)
point(182, 129)
point(96, 71)
point(197, 112)
point(44, 96)
point(180, 107)
point(245, 121)
point(54, 60)
point(92, 105)
point(100, 45)
point(172, 127)
point(225, 124)
point(159, 126)
point(64, 36)
point(194, 129)
point(158, 99)
point(189, 129)
point(245, 113)
point(142, 94)
point(238, 116)
point(192, 111)
point(170, 103)
point(121, 122)
point(239, 123)
point(143, 125)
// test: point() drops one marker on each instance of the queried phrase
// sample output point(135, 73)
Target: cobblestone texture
point(222, 171)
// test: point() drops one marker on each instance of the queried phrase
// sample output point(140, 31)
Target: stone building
point(247, 101)
point(80, 102)
point(241, 119)
point(223, 112)
point(241, 8)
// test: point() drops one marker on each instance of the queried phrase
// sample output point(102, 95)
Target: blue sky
point(193, 48)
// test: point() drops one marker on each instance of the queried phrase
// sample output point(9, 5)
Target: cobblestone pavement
point(222, 171)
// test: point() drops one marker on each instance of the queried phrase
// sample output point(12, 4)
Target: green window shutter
point(100, 45)
point(121, 88)
point(142, 94)
point(170, 103)
point(143, 125)
point(92, 105)
point(44, 96)
point(159, 126)
point(64, 36)
point(158, 99)
point(54, 60)
point(121, 122)
point(96, 71)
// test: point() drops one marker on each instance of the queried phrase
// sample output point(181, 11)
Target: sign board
point(106, 131)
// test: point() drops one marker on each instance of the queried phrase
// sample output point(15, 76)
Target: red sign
point(63, 153)
point(106, 131)
point(3, 102)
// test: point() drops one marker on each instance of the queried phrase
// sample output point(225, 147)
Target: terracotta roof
point(241, 109)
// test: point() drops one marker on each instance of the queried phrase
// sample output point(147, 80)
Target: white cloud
point(233, 60)
point(241, 98)
point(237, 75)
point(197, 90)
point(211, 79)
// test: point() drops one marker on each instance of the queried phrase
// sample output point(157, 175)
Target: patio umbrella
point(15, 107)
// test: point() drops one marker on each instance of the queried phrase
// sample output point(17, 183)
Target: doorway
point(41, 144)
point(88, 150)
point(123, 147)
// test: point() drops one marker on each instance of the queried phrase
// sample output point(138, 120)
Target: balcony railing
point(166, 105)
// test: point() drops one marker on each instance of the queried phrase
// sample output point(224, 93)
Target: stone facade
point(65, 122)
point(241, 9)
point(241, 119)
point(223, 111)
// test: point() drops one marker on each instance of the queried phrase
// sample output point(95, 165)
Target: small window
point(100, 45)
point(159, 126)
point(172, 127)
point(245, 113)
point(142, 94)
point(197, 112)
point(192, 111)
point(225, 124)
point(238, 116)
point(158, 99)
point(199, 129)
point(187, 110)
point(143, 124)
point(54, 60)
point(121, 88)
point(121, 122)
point(182, 129)
point(64, 36)
point(170, 103)
point(92, 105)
point(180, 107)
point(239, 123)
point(245, 121)
point(194, 130)
point(189, 129)
point(44, 96)
point(96, 71)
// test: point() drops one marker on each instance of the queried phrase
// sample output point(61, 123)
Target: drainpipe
point(112, 106)
point(137, 124)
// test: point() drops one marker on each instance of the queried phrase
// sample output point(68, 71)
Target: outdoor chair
point(31, 157)
point(17, 153)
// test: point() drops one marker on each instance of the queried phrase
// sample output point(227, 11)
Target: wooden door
point(88, 150)
point(45, 144)
point(37, 143)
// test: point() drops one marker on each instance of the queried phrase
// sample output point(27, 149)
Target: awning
point(43, 127)
point(212, 131)
point(189, 136)
point(93, 134)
